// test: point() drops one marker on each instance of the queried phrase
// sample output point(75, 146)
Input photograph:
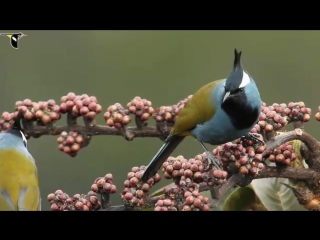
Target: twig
point(105, 200)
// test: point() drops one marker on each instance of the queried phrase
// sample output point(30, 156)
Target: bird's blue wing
point(29, 199)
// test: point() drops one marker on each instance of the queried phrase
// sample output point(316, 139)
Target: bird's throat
point(242, 115)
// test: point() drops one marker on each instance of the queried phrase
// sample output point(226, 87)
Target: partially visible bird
point(219, 112)
point(19, 186)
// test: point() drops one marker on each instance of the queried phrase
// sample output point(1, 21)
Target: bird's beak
point(226, 96)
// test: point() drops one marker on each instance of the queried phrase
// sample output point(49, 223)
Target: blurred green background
point(162, 66)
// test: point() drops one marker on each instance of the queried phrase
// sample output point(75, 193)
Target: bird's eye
point(240, 89)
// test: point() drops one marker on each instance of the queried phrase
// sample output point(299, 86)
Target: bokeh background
point(162, 66)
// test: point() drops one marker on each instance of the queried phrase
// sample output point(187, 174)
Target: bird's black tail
point(160, 157)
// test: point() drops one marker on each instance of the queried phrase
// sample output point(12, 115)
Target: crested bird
point(218, 112)
point(19, 185)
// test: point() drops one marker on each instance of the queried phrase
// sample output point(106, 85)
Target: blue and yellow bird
point(219, 112)
point(19, 186)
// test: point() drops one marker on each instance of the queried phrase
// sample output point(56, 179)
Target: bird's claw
point(253, 137)
point(212, 161)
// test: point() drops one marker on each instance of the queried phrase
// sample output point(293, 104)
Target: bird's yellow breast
point(17, 171)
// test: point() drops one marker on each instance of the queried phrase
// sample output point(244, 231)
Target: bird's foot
point(253, 137)
point(212, 161)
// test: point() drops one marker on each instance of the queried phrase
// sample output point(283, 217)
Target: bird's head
point(15, 132)
point(237, 80)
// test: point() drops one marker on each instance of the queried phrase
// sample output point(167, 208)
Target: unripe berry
point(94, 187)
point(189, 200)
point(244, 170)
point(134, 181)
point(51, 196)
point(186, 208)
point(84, 111)
point(197, 202)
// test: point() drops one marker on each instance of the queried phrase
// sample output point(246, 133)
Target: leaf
point(275, 196)
point(240, 199)
point(221, 202)
point(148, 209)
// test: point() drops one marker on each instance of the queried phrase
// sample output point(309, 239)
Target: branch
point(132, 132)
point(298, 174)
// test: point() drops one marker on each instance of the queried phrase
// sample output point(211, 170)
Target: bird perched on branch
point(219, 112)
point(19, 186)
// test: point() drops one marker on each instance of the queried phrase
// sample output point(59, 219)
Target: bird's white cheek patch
point(23, 137)
point(245, 80)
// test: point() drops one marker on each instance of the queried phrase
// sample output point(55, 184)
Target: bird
point(19, 185)
point(219, 112)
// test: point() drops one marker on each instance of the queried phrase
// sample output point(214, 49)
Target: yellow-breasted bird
point(219, 112)
point(19, 186)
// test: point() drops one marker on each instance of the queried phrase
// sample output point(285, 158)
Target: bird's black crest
point(235, 77)
point(16, 128)
point(17, 121)
point(237, 59)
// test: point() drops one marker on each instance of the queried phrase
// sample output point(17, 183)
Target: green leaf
point(148, 209)
point(221, 201)
point(275, 196)
point(240, 199)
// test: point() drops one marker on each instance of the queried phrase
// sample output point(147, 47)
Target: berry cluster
point(42, 112)
point(276, 116)
point(176, 198)
point(60, 201)
point(171, 200)
point(282, 155)
point(243, 156)
point(271, 118)
point(165, 204)
point(116, 116)
point(142, 108)
point(297, 111)
point(169, 113)
point(133, 196)
point(104, 185)
point(194, 201)
point(70, 142)
point(80, 105)
point(6, 121)
point(178, 167)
